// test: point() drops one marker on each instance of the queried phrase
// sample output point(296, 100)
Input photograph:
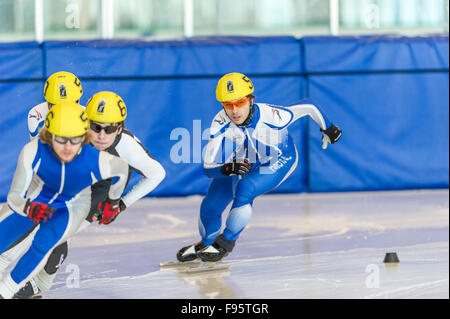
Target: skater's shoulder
point(274, 116)
point(220, 121)
point(41, 108)
point(32, 147)
point(126, 139)
point(36, 117)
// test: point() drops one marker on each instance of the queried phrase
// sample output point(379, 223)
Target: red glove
point(38, 212)
point(107, 211)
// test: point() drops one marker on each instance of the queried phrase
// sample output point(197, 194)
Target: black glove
point(237, 167)
point(330, 135)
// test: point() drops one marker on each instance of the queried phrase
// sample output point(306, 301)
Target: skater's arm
point(211, 167)
point(215, 154)
point(137, 156)
point(331, 133)
point(23, 176)
point(35, 123)
point(235, 166)
point(115, 168)
point(312, 109)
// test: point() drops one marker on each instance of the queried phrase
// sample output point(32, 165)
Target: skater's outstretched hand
point(330, 135)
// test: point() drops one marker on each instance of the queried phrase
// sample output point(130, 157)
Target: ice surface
point(296, 246)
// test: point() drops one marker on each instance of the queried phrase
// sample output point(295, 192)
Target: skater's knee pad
point(56, 258)
point(245, 193)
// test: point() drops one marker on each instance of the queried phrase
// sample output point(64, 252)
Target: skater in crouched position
point(51, 188)
point(107, 113)
point(59, 87)
point(250, 152)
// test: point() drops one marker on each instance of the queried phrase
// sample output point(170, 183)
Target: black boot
point(218, 250)
point(29, 291)
point(189, 253)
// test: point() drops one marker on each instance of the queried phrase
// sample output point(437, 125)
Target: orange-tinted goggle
point(238, 103)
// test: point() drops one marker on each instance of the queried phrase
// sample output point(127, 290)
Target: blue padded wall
point(388, 94)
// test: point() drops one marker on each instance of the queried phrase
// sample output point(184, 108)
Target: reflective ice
point(328, 245)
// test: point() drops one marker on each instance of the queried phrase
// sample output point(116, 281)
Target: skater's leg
point(34, 259)
point(12, 225)
point(14, 251)
point(220, 194)
point(248, 188)
point(44, 278)
point(12, 228)
point(43, 281)
point(252, 186)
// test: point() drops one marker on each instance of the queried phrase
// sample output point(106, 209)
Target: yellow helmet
point(106, 107)
point(233, 86)
point(67, 119)
point(62, 86)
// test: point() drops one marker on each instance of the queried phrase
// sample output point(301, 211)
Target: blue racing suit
point(266, 143)
point(41, 177)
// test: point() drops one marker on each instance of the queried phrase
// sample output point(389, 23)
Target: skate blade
point(205, 268)
point(30, 297)
point(179, 264)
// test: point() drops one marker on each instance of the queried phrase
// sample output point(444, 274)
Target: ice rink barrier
point(388, 94)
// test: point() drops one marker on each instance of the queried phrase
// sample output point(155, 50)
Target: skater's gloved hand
point(38, 212)
point(330, 135)
point(107, 211)
point(239, 166)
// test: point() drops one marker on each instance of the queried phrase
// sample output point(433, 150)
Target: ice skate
point(29, 291)
point(213, 253)
point(218, 250)
point(189, 253)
